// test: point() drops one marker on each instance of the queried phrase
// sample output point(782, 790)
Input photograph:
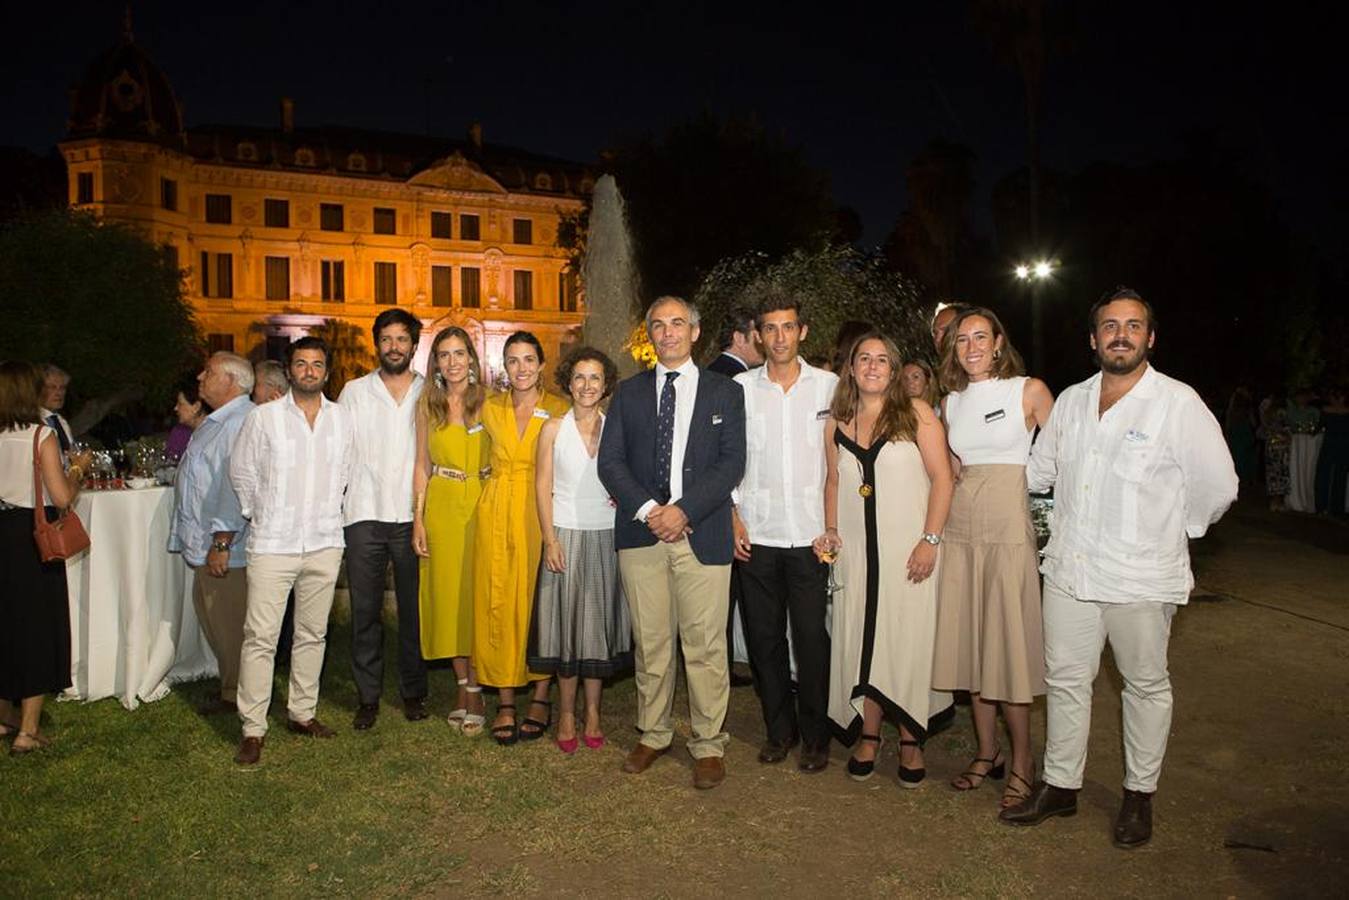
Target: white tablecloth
point(133, 628)
point(1303, 452)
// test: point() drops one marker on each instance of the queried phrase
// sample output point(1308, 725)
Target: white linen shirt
point(204, 501)
point(781, 496)
point(290, 478)
point(686, 392)
point(386, 450)
point(1130, 487)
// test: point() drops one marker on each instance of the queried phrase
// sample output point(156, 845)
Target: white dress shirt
point(686, 392)
point(290, 477)
point(204, 501)
point(386, 450)
point(1129, 488)
point(781, 497)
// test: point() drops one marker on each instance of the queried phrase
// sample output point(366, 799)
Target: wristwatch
point(220, 546)
point(933, 539)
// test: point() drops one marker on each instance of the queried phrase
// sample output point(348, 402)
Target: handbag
point(57, 540)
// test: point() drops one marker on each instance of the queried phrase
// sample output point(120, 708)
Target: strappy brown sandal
point(965, 780)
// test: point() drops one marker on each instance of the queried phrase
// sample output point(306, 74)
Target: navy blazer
point(714, 461)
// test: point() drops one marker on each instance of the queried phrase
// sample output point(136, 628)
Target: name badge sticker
point(541, 414)
point(716, 419)
point(1134, 436)
point(475, 429)
point(996, 415)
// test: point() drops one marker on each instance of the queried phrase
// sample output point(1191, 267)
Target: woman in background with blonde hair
point(452, 453)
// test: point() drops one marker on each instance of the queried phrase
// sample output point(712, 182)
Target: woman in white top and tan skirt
point(989, 636)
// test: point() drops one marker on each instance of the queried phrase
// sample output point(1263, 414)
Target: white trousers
point(1075, 634)
point(270, 579)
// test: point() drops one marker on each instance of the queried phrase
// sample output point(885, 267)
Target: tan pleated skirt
point(990, 639)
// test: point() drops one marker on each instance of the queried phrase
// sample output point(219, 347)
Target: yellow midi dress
point(446, 599)
point(508, 545)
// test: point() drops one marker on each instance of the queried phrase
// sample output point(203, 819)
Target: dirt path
point(1254, 799)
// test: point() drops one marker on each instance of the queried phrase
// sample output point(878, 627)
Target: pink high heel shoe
point(569, 745)
point(594, 742)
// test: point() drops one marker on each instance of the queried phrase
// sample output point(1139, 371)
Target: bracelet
point(220, 546)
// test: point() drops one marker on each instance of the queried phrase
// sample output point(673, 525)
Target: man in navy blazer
point(672, 450)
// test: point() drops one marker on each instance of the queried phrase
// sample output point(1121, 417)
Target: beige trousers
point(671, 594)
point(221, 605)
point(270, 579)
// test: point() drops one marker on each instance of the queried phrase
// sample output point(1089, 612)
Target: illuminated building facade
point(280, 229)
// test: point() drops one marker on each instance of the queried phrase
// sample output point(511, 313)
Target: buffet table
point(133, 627)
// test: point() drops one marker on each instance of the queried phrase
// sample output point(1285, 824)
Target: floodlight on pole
point(1022, 272)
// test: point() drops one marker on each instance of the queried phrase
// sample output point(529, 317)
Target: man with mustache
point(378, 518)
point(1139, 466)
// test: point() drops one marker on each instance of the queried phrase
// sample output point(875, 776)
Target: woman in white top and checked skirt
point(580, 626)
point(989, 636)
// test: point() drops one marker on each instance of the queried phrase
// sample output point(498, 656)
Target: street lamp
point(1033, 273)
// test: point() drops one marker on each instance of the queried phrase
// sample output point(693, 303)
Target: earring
point(472, 376)
point(440, 381)
point(997, 354)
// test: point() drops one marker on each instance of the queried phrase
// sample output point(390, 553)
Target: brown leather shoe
point(641, 758)
point(1044, 802)
point(250, 751)
point(1133, 825)
point(313, 728)
point(813, 759)
point(708, 772)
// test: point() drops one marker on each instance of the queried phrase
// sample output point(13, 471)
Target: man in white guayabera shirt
point(290, 468)
point(1139, 466)
point(378, 518)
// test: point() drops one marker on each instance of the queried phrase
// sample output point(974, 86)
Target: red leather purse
point(63, 538)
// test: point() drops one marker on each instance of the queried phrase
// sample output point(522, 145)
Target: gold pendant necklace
point(864, 489)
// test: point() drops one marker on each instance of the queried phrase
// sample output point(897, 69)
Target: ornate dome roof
point(125, 95)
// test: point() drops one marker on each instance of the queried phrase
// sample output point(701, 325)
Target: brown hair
point(898, 421)
point(562, 376)
point(18, 394)
point(931, 393)
point(1006, 362)
point(435, 395)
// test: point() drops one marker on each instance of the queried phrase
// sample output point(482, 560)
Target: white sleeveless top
point(985, 423)
point(580, 502)
point(16, 465)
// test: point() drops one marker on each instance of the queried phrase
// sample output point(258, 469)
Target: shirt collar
point(229, 408)
point(289, 400)
point(688, 368)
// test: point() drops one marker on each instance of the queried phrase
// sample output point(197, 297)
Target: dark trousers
point(786, 587)
point(371, 547)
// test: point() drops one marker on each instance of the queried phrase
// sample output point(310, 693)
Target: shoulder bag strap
point(39, 518)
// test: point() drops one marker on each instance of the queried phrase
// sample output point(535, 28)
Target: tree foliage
point(709, 189)
point(833, 285)
point(100, 301)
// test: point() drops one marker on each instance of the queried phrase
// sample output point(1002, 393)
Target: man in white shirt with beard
point(290, 467)
point(378, 518)
point(1139, 466)
point(779, 511)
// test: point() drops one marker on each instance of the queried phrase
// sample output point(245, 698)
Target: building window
point(84, 187)
point(470, 281)
point(330, 216)
point(524, 231)
point(171, 254)
point(278, 278)
point(524, 290)
point(543, 182)
point(247, 151)
point(304, 157)
point(566, 291)
point(468, 228)
point(220, 343)
point(219, 210)
point(441, 285)
point(168, 194)
point(386, 221)
point(386, 283)
point(334, 280)
point(356, 162)
point(276, 213)
point(440, 225)
point(217, 275)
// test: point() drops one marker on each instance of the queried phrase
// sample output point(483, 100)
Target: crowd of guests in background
point(867, 516)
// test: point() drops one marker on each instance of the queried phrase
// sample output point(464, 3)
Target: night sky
point(860, 91)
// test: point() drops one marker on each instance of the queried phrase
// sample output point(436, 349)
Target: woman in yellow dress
point(452, 449)
point(509, 543)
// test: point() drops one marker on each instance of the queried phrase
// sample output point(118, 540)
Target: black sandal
point(1012, 795)
point(531, 729)
point(910, 778)
point(859, 770)
point(505, 735)
point(995, 771)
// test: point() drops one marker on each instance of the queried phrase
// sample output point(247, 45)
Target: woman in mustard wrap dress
point(509, 544)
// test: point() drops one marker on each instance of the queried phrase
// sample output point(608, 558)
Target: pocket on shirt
point(1135, 462)
point(756, 433)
